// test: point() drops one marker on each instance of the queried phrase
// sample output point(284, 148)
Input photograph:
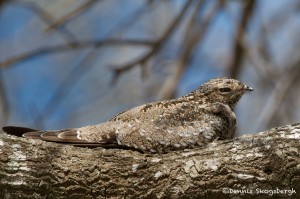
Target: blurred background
point(70, 63)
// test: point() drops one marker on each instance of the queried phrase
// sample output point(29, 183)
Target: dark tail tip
point(17, 131)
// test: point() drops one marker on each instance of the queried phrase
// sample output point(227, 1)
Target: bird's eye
point(224, 90)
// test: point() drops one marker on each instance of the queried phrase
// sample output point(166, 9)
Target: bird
point(190, 121)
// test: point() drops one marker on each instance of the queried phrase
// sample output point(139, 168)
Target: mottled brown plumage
point(186, 122)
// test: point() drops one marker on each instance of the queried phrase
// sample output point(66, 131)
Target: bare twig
point(72, 45)
point(193, 21)
point(279, 93)
point(80, 10)
point(193, 37)
point(263, 67)
point(46, 17)
point(155, 47)
point(238, 53)
point(260, 57)
point(198, 30)
point(67, 84)
point(2, 2)
point(79, 71)
point(3, 100)
point(132, 18)
point(264, 52)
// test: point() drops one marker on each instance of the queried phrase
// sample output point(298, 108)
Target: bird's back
point(168, 125)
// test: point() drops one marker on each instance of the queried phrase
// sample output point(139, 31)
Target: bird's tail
point(66, 136)
point(17, 131)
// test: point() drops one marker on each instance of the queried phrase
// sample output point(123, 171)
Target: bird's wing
point(150, 110)
point(179, 127)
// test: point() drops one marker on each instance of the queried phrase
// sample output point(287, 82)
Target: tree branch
point(80, 10)
point(238, 53)
point(45, 17)
point(118, 70)
point(268, 161)
point(197, 28)
point(279, 93)
point(72, 45)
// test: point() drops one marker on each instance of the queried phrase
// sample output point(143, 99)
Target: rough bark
point(267, 161)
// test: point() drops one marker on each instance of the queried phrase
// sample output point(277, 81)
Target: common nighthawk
point(189, 121)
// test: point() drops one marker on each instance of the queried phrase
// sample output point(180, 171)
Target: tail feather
point(50, 136)
point(33, 135)
point(67, 136)
point(71, 135)
point(17, 131)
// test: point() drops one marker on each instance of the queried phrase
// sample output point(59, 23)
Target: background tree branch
point(268, 161)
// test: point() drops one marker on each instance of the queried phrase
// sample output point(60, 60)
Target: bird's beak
point(248, 88)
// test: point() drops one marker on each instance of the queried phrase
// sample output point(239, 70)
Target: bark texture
point(264, 161)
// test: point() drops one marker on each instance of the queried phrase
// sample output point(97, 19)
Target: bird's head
point(223, 90)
